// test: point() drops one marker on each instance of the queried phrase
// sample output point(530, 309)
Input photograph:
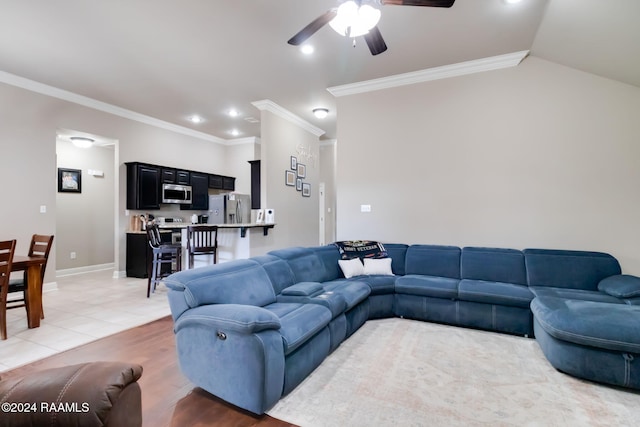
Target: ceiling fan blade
point(314, 26)
point(428, 3)
point(375, 41)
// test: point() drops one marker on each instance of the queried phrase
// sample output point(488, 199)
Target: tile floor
point(85, 307)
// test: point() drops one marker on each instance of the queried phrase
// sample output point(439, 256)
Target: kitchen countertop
point(243, 227)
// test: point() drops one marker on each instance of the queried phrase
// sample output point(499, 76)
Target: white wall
point(539, 155)
point(85, 221)
point(296, 216)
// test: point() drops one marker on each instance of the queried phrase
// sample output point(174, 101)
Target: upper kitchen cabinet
point(228, 183)
point(220, 182)
point(199, 192)
point(183, 177)
point(175, 176)
point(143, 186)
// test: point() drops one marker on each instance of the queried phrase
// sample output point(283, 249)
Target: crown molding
point(436, 73)
point(272, 107)
point(241, 141)
point(64, 95)
point(328, 142)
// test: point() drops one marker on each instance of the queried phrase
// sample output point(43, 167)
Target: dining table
point(33, 294)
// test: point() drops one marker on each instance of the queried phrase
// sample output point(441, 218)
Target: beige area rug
point(397, 372)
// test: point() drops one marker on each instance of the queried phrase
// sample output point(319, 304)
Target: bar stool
point(202, 240)
point(164, 257)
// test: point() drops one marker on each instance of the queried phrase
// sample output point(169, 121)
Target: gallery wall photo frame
point(294, 163)
point(69, 180)
point(302, 170)
point(306, 189)
point(299, 184)
point(290, 178)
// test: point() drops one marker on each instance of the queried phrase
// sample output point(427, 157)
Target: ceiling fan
point(357, 18)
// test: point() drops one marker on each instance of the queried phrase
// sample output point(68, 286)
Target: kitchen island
point(233, 240)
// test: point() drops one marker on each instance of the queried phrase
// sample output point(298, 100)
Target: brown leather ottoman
point(88, 394)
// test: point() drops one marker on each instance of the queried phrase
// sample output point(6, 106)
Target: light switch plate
point(365, 208)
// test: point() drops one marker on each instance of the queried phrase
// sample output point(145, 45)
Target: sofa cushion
point(305, 264)
point(353, 292)
point(234, 282)
point(305, 289)
point(433, 260)
point(398, 254)
point(579, 294)
point(493, 265)
point(428, 286)
point(589, 323)
point(299, 322)
point(378, 266)
point(568, 269)
point(621, 286)
point(351, 267)
point(278, 270)
point(499, 293)
point(380, 285)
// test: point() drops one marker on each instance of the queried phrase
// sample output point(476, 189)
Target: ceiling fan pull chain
point(354, 42)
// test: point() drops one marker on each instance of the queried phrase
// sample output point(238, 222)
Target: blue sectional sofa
point(249, 331)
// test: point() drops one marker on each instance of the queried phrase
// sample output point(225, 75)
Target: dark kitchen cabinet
point(168, 175)
point(139, 254)
point(143, 186)
point(215, 181)
point(183, 177)
point(228, 183)
point(255, 184)
point(199, 192)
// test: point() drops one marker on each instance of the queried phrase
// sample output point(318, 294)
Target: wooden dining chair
point(165, 258)
point(202, 240)
point(7, 248)
point(40, 246)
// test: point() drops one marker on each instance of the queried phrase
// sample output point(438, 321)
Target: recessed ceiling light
point(196, 119)
point(234, 113)
point(320, 113)
point(307, 49)
point(512, 1)
point(234, 132)
point(81, 141)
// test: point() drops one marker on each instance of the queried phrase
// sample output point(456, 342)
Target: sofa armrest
point(88, 394)
point(303, 289)
point(246, 319)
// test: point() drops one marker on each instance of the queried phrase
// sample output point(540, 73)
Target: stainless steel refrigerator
point(229, 208)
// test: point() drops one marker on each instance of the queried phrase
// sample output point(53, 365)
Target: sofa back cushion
point(305, 264)
point(278, 271)
point(569, 269)
point(493, 264)
point(235, 282)
point(398, 254)
point(329, 256)
point(433, 260)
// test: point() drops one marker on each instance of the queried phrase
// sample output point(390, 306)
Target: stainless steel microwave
point(173, 193)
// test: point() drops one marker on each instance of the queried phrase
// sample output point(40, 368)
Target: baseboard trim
point(85, 269)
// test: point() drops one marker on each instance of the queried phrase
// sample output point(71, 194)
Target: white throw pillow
point(378, 266)
point(351, 267)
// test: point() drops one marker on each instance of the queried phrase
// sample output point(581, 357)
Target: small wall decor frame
point(306, 189)
point(294, 163)
point(302, 170)
point(299, 184)
point(290, 178)
point(69, 180)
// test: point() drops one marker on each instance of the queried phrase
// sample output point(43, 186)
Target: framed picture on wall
point(299, 184)
point(290, 178)
point(294, 163)
point(69, 180)
point(306, 190)
point(302, 171)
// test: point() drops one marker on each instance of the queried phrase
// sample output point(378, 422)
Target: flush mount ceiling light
point(81, 141)
point(196, 119)
point(320, 113)
point(307, 49)
point(353, 20)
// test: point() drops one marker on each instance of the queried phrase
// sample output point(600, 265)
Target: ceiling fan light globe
point(368, 17)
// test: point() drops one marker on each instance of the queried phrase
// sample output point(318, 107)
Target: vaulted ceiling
point(171, 59)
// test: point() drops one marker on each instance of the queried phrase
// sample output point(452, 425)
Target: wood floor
point(168, 398)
